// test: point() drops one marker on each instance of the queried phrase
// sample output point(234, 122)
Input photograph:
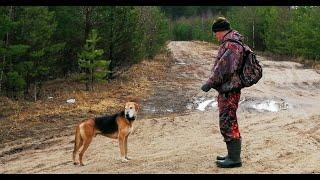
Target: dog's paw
point(128, 158)
point(75, 163)
point(124, 160)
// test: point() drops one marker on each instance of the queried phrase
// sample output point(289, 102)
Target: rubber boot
point(233, 159)
point(222, 157)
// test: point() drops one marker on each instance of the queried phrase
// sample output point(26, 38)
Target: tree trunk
point(111, 66)
point(253, 33)
point(87, 85)
point(1, 73)
point(6, 45)
point(91, 81)
point(202, 26)
point(35, 91)
point(87, 13)
point(111, 34)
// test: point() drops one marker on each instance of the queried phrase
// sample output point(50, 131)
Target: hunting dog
point(117, 126)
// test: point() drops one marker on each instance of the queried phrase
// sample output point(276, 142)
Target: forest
point(91, 43)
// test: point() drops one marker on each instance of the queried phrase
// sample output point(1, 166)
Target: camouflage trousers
point(228, 105)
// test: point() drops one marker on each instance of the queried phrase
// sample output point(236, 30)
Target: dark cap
point(220, 24)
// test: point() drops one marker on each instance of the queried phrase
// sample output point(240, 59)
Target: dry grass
point(133, 84)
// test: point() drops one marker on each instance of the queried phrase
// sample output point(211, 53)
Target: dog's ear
point(138, 107)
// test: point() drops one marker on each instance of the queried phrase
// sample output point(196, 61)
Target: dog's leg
point(126, 147)
point(122, 148)
point(86, 144)
point(77, 145)
point(86, 132)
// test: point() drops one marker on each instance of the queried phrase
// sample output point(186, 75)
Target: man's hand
point(205, 87)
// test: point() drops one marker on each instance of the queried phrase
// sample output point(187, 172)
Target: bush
point(195, 28)
point(15, 84)
point(182, 31)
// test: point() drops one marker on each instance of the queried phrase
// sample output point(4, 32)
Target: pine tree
point(95, 68)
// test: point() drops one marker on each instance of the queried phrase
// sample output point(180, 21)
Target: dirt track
point(284, 138)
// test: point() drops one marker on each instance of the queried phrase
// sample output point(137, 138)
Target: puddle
point(270, 105)
point(202, 104)
point(169, 98)
point(265, 105)
point(180, 62)
point(151, 109)
point(169, 110)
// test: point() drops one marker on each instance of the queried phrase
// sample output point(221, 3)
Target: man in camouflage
point(225, 79)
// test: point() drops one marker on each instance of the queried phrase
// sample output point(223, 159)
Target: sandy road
point(286, 140)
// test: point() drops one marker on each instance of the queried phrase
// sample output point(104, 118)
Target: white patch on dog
point(130, 110)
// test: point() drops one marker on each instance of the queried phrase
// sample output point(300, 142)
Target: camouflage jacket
point(224, 73)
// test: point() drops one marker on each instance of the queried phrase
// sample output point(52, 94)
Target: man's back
point(225, 76)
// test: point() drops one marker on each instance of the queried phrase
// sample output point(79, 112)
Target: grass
point(24, 118)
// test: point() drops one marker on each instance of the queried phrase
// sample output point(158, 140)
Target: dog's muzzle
point(130, 118)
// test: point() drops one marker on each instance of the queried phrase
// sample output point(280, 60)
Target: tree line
point(284, 30)
point(40, 43)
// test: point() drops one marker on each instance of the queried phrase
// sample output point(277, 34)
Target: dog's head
point(130, 110)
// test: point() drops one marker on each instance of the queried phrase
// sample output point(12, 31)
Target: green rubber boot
point(222, 157)
point(233, 159)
